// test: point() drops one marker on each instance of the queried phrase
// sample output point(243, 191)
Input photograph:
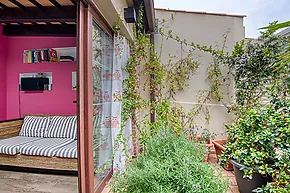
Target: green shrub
point(279, 185)
point(169, 164)
point(260, 140)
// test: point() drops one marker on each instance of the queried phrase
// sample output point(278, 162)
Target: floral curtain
point(102, 92)
point(121, 55)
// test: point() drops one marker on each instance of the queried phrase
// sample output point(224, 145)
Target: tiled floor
point(20, 182)
point(233, 187)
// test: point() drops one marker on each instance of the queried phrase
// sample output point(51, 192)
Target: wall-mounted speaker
point(130, 15)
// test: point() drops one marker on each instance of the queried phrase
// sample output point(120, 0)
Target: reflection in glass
point(102, 92)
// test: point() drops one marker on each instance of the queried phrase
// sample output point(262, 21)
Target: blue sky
point(259, 12)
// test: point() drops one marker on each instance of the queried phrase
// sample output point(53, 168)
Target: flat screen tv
point(31, 84)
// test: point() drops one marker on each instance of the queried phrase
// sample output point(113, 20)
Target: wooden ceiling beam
point(34, 2)
point(55, 3)
point(74, 2)
point(4, 6)
point(34, 14)
point(17, 4)
point(40, 30)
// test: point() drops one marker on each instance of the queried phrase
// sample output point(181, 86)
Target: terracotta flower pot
point(189, 137)
point(197, 138)
point(208, 145)
point(219, 148)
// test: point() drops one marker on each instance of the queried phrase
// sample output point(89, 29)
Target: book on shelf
point(53, 55)
point(40, 55)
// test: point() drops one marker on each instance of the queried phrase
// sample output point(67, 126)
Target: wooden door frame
point(85, 106)
point(86, 15)
point(96, 17)
point(100, 20)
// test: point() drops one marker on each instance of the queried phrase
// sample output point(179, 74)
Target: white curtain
point(102, 92)
point(121, 55)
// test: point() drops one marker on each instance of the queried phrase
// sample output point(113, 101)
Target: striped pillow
point(62, 127)
point(34, 126)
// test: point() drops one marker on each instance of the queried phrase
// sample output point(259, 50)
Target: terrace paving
point(228, 175)
point(20, 182)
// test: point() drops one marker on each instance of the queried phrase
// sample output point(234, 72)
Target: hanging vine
point(169, 78)
point(248, 67)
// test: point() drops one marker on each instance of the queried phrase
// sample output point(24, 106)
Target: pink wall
point(3, 53)
point(57, 101)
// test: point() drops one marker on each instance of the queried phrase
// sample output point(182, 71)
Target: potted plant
point(219, 146)
point(206, 138)
point(258, 146)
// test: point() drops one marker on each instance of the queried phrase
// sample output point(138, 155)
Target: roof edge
point(284, 32)
point(150, 13)
point(200, 12)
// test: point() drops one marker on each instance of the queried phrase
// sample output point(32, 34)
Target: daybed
point(40, 141)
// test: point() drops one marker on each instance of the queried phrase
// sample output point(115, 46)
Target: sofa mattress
point(11, 146)
point(45, 146)
point(68, 151)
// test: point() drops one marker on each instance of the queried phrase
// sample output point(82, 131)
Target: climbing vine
point(249, 66)
point(147, 73)
point(165, 80)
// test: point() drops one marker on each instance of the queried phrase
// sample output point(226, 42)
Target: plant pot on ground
point(197, 139)
point(247, 185)
point(206, 142)
point(259, 140)
point(219, 148)
point(205, 137)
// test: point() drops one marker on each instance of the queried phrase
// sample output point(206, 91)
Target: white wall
point(204, 29)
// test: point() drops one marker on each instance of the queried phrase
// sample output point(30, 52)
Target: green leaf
point(277, 26)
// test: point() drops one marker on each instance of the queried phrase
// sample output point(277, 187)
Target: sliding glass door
point(95, 63)
point(102, 63)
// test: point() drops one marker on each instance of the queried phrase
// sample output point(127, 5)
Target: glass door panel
point(102, 45)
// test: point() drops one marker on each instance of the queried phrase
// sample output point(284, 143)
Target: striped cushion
point(34, 126)
point(62, 127)
point(44, 147)
point(68, 151)
point(11, 146)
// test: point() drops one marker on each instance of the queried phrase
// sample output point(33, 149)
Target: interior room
point(60, 107)
point(16, 99)
point(38, 94)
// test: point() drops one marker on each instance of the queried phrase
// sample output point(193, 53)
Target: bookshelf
point(65, 54)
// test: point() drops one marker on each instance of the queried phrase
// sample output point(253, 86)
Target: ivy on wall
point(249, 67)
point(248, 70)
point(165, 80)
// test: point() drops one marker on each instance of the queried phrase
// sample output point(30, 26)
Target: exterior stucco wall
point(203, 29)
point(111, 10)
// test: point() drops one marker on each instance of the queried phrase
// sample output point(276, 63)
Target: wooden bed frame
point(12, 128)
